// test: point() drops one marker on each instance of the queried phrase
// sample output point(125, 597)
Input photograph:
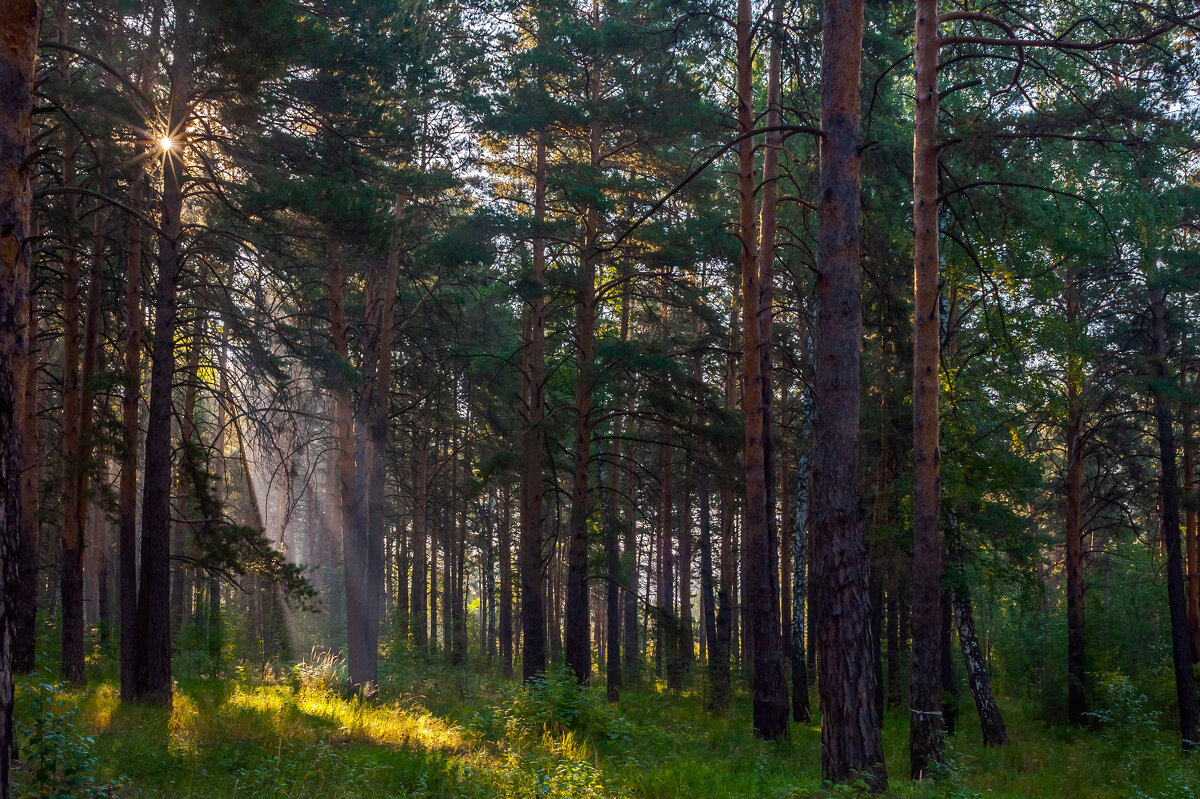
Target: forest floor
point(434, 731)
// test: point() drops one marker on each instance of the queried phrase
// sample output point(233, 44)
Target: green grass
point(437, 732)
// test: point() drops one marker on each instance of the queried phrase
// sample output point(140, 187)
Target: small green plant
point(59, 759)
point(554, 705)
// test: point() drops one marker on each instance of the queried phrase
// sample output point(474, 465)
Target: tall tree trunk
point(612, 565)
point(1185, 685)
point(18, 49)
point(153, 623)
point(668, 623)
point(131, 397)
point(800, 705)
point(1191, 538)
point(419, 624)
point(851, 740)
point(1076, 639)
point(533, 582)
point(925, 694)
point(24, 598)
point(186, 474)
point(578, 649)
point(719, 659)
point(74, 516)
point(770, 694)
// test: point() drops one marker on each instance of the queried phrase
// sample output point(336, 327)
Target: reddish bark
point(18, 48)
point(851, 741)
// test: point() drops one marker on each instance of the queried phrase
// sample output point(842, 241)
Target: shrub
point(58, 757)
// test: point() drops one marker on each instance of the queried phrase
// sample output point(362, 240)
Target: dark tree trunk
point(770, 706)
point(153, 623)
point(74, 515)
point(612, 567)
point(949, 680)
point(723, 643)
point(24, 597)
point(667, 647)
point(1076, 639)
point(851, 740)
point(1185, 685)
point(18, 49)
point(1191, 538)
point(578, 647)
point(533, 583)
point(420, 532)
point(801, 711)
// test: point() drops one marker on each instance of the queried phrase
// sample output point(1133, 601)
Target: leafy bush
point(553, 705)
point(58, 758)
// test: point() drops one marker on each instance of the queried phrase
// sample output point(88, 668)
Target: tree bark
point(420, 533)
point(801, 712)
point(1185, 685)
point(1191, 537)
point(153, 623)
point(1076, 639)
point(851, 741)
point(770, 708)
point(74, 516)
point(533, 582)
point(18, 49)
point(925, 694)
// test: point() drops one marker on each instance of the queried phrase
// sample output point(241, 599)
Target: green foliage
point(553, 706)
point(59, 757)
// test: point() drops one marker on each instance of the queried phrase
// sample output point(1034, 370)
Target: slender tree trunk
point(800, 522)
point(578, 649)
point(1076, 639)
point(533, 583)
point(18, 49)
point(612, 566)
point(25, 596)
point(420, 625)
point(74, 517)
point(131, 397)
point(506, 593)
point(722, 650)
point(668, 623)
point(851, 741)
point(1185, 685)
point(153, 624)
point(925, 721)
point(991, 723)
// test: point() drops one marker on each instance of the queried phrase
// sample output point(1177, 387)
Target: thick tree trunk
point(770, 706)
point(18, 48)
point(153, 624)
point(1185, 685)
point(851, 742)
point(533, 582)
point(925, 694)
